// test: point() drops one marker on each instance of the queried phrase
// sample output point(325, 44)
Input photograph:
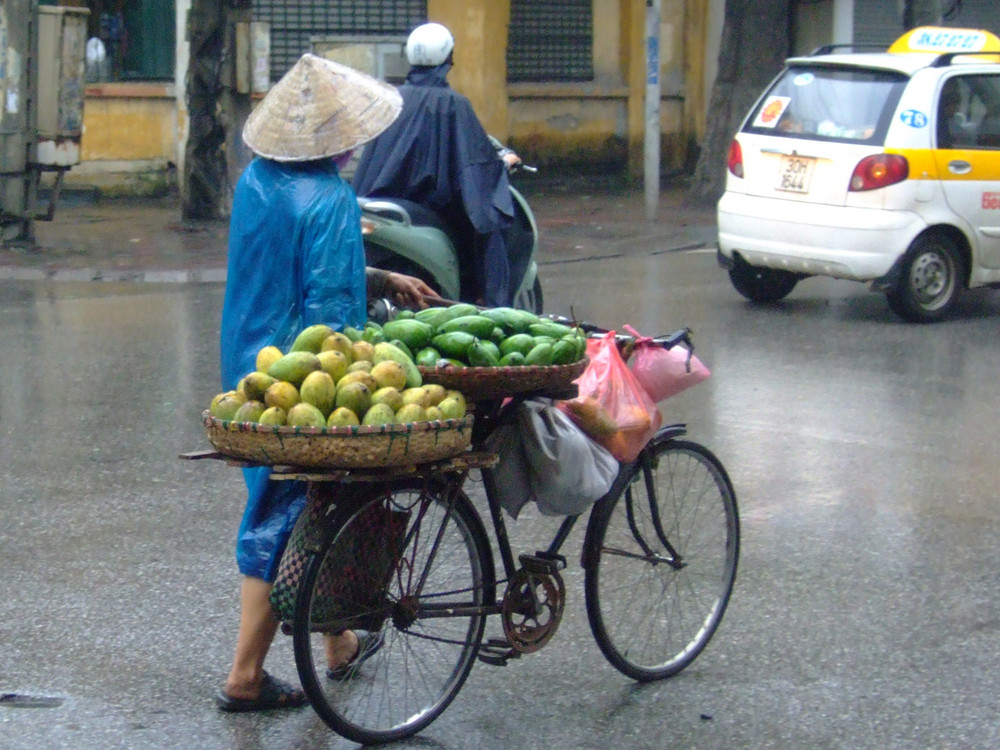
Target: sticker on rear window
point(771, 112)
point(803, 79)
point(914, 118)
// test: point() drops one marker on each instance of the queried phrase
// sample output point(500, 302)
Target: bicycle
point(660, 555)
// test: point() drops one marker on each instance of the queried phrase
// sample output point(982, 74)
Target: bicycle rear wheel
point(411, 564)
point(660, 557)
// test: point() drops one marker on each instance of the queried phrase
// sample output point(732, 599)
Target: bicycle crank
point(533, 605)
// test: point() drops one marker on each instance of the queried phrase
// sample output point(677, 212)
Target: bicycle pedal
point(496, 652)
point(543, 562)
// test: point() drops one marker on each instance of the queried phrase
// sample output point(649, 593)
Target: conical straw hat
point(320, 108)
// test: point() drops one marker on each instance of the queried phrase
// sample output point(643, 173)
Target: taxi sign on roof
point(943, 40)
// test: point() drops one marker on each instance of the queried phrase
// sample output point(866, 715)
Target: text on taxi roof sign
point(940, 39)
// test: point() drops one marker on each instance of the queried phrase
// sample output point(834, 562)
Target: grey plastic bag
point(546, 458)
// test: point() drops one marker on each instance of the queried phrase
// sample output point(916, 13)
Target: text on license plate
point(795, 174)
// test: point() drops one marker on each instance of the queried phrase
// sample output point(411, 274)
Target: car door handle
point(959, 166)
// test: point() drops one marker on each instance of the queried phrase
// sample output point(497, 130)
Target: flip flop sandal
point(368, 644)
point(274, 693)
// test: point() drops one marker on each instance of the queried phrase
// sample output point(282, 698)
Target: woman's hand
point(407, 291)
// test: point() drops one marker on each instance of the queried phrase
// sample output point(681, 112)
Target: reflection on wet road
point(862, 451)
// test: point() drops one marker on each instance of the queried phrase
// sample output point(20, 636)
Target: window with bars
point(550, 40)
point(294, 22)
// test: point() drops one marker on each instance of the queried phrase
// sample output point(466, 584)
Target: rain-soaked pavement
point(863, 452)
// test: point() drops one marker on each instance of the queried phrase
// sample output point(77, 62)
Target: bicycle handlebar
point(667, 341)
point(626, 342)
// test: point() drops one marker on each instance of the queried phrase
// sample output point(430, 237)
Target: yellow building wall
point(594, 124)
point(128, 129)
point(480, 72)
point(601, 123)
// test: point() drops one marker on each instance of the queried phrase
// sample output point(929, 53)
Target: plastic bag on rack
point(546, 458)
point(612, 407)
point(664, 372)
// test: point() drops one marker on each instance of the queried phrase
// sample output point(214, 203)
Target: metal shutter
point(550, 40)
point(293, 22)
point(974, 14)
point(877, 22)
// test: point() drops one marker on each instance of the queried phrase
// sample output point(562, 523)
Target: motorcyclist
point(437, 154)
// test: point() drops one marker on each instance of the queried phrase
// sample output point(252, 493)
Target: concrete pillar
point(633, 26)
point(480, 72)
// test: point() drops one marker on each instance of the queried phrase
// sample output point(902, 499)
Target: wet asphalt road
point(863, 452)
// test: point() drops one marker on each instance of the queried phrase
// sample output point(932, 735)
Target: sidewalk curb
point(199, 276)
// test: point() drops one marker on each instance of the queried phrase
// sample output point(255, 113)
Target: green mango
point(477, 325)
point(432, 316)
point(540, 355)
point(373, 333)
point(453, 345)
point(414, 333)
point(564, 352)
point(479, 355)
point(511, 359)
point(457, 311)
point(549, 328)
point(519, 342)
point(511, 319)
point(427, 357)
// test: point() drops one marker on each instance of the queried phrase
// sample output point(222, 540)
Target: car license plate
point(795, 173)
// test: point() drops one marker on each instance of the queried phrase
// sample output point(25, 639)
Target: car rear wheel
point(929, 280)
point(762, 285)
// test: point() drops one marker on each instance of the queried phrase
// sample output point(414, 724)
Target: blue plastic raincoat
point(296, 258)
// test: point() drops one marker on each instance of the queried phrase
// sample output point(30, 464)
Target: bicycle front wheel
point(660, 559)
point(412, 566)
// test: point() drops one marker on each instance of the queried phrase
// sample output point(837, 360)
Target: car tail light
point(367, 227)
point(735, 159)
point(879, 171)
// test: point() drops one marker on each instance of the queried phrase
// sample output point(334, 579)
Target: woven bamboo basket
point(485, 383)
point(339, 447)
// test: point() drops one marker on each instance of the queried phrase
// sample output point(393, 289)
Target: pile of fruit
point(461, 335)
point(333, 379)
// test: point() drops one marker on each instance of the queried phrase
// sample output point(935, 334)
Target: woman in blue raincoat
point(296, 258)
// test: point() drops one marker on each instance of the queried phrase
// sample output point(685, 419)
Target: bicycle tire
point(651, 619)
point(423, 661)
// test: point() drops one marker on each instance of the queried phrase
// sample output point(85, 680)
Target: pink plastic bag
point(664, 372)
point(611, 407)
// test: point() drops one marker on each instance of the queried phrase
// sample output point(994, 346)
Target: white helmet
point(429, 44)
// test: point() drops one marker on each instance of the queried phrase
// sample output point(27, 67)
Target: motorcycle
point(409, 238)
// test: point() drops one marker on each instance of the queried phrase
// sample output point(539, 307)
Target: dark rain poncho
point(438, 155)
point(295, 259)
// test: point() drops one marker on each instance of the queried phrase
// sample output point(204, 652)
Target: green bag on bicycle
point(355, 570)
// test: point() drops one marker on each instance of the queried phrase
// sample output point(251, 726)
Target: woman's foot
point(273, 693)
point(362, 645)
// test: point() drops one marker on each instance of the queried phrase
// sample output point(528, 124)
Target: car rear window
point(850, 105)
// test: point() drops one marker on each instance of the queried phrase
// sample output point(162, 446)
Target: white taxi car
point(878, 167)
